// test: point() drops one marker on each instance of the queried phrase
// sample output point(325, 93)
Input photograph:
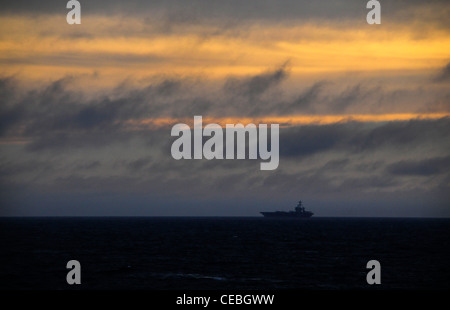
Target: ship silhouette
point(299, 212)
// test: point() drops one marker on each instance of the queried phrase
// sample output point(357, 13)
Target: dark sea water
point(224, 253)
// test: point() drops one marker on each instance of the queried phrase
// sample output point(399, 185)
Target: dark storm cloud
point(263, 95)
point(308, 140)
point(444, 75)
point(108, 168)
point(255, 85)
point(139, 164)
point(65, 113)
point(351, 184)
point(305, 101)
point(336, 164)
point(210, 8)
point(192, 10)
point(259, 95)
point(10, 168)
point(56, 109)
point(321, 182)
point(360, 137)
point(251, 96)
point(9, 114)
point(397, 134)
point(354, 94)
point(88, 165)
point(421, 167)
point(60, 141)
point(56, 116)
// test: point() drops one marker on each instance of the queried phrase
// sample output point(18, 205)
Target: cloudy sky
point(86, 110)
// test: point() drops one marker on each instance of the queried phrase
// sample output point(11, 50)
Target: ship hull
point(281, 214)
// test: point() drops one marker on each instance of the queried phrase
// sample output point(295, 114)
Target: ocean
point(188, 253)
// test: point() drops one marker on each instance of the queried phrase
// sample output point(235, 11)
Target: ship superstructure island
point(299, 212)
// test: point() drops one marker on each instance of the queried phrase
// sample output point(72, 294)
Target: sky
point(86, 110)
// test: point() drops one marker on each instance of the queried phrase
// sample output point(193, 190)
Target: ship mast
point(299, 207)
